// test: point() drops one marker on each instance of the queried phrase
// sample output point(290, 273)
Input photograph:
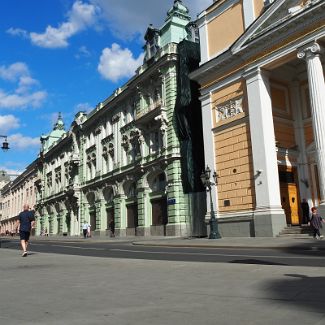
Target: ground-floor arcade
point(148, 204)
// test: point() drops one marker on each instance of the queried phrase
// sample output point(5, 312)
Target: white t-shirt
point(85, 226)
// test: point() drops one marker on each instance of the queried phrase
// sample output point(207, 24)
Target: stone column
point(303, 170)
point(269, 218)
point(316, 84)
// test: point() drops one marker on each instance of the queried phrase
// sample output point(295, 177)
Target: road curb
point(300, 247)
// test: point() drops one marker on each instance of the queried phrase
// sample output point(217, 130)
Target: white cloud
point(21, 142)
point(117, 63)
point(81, 16)
point(8, 122)
point(127, 19)
point(16, 100)
point(83, 52)
point(11, 172)
point(83, 107)
point(130, 18)
point(14, 71)
point(17, 32)
point(24, 94)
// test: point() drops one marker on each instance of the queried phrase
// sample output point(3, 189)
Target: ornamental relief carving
point(107, 139)
point(125, 142)
point(111, 149)
point(116, 117)
point(229, 109)
point(136, 136)
point(105, 152)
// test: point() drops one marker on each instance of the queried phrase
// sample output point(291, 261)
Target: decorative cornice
point(108, 138)
point(91, 148)
point(266, 53)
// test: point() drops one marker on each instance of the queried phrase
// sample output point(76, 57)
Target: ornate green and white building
point(123, 161)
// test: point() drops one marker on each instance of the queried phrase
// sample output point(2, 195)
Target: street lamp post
point(205, 178)
point(5, 144)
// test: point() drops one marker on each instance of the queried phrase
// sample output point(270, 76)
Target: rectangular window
point(154, 142)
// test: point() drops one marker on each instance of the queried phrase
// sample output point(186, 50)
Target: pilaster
point(209, 149)
point(120, 215)
point(144, 215)
point(269, 217)
point(101, 218)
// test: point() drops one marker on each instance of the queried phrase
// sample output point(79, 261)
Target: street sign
point(171, 201)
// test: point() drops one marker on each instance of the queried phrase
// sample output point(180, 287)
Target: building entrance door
point(92, 220)
point(110, 216)
point(289, 195)
point(159, 212)
point(132, 216)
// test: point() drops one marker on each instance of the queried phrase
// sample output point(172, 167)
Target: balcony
point(149, 112)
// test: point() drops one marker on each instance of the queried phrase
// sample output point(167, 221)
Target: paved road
point(60, 289)
point(76, 282)
point(303, 256)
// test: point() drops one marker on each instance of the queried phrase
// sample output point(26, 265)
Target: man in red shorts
point(25, 223)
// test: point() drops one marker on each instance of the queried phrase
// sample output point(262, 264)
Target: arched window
point(159, 183)
point(132, 191)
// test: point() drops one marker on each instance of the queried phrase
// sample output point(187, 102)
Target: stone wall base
point(99, 233)
point(269, 224)
point(120, 232)
point(235, 227)
point(256, 224)
point(143, 231)
point(177, 230)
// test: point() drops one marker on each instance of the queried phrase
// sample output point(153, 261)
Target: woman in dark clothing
point(316, 223)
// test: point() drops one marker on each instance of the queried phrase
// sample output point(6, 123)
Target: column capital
point(309, 50)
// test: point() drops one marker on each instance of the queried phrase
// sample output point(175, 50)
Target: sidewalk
point(228, 242)
point(239, 242)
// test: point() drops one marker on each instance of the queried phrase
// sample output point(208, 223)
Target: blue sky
point(66, 56)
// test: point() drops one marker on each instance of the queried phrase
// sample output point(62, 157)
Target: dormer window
point(152, 42)
point(192, 32)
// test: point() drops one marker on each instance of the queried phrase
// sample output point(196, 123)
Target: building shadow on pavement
point(309, 249)
point(300, 291)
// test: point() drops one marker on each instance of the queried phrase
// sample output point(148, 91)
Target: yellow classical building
point(263, 106)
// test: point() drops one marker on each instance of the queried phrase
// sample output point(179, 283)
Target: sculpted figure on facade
point(117, 188)
point(137, 140)
point(163, 125)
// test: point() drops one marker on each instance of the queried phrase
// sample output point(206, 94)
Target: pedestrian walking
point(316, 223)
point(88, 230)
point(305, 212)
point(25, 223)
point(85, 229)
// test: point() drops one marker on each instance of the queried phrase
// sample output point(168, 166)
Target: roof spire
point(59, 125)
point(178, 10)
